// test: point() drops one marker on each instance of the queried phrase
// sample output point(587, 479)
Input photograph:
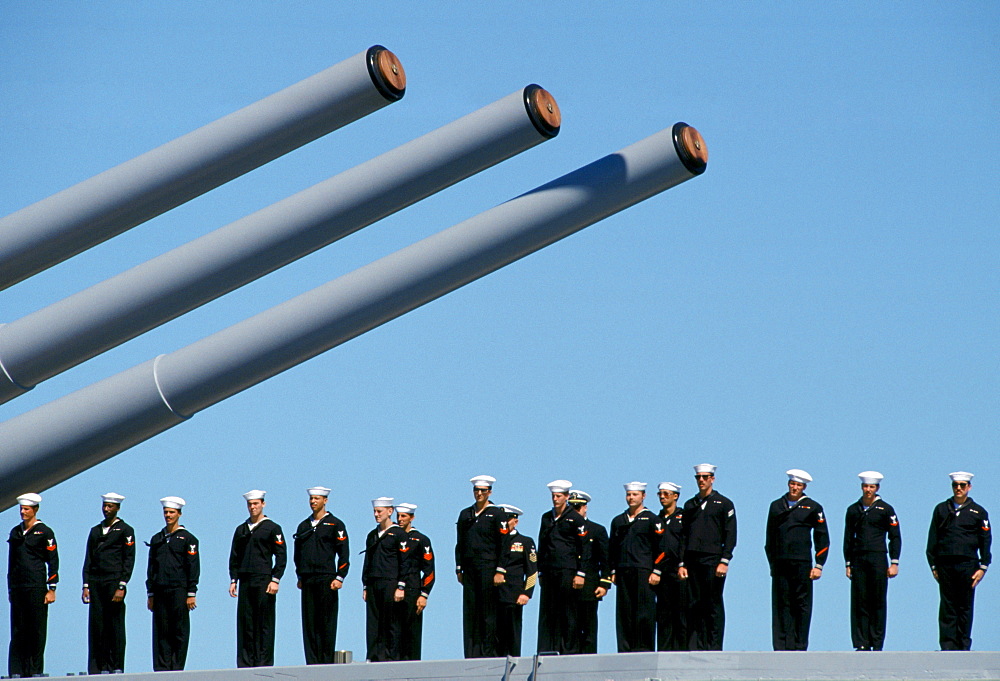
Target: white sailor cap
point(318, 491)
point(670, 487)
point(870, 477)
point(578, 496)
point(635, 486)
point(172, 502)
point(798, 475)
point(383, 502)
point(112, 498)
point(254, 494)
point(29, 499)
point(961, 476)
point(705, 468)
point(406, 508)
point(512, 510)
point(562, 486)
point(483, 481)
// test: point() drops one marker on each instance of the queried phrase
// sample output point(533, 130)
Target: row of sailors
point(669, 569)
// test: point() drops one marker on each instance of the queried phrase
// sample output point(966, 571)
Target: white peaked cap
point(482, 481)
point(254, 494)
point(961, 476)
point(635, 486)
point(870, 477)
point(563, 486)
point(29, 499)
point(172, 502)
point(512, 510)
point(383, 502)
point(112, 498)
point(406, 508)
point(705, 468)
point(318, 491)
point(579, 496)
point(798, 475)
point(670, 487)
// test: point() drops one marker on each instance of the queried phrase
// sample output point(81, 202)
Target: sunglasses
point(703, 477)
point(960, 484)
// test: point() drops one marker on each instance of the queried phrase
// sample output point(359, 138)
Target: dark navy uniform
point(708, 538)
point(672, 596)
point(258, 557)
point(958, 544)
point(794, 529)
point(563, 552)
point(598, 569)
point(418, 575)
point(865, 532)
point(477, 554)
point(519, 565)
point(107, 567)
point(32, 569)
point(171, 578)
point(320, 553)
point(381, 575)
point(636, 551)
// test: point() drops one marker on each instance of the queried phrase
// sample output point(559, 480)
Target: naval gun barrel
point(68, 332)
point(77, 218)
point(51, 443)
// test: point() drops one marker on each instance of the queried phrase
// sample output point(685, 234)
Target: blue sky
point(824, 297)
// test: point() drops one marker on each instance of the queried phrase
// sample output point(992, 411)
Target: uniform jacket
point(519, 563)
point(866, 531)
point(709, 526)
point(33, 557)
point(321, 551)
point(383, 556)
point(110, 556)
point(418, 563)
point(259, 553)
point(673, 526)
point(793, 532)
point(962, 533)
point(562, 542)
point(637, 543)
point(598, 565)
point(173, 561)
point(479, 537)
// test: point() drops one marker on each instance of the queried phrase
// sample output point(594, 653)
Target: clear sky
point(824, 297)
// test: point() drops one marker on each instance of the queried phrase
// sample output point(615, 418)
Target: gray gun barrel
point(51, 443)
point(91, 212)
point(66, 333)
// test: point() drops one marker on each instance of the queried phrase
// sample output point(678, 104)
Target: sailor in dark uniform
point(172, 587)
point(256, 564)
point(598, 568)
point(107, 567)
point(321, 550)
point(672, 598)
point(958, 550)
point(383, 582)
point(32, 575)
point(637, 560)
point(562, 554)
point(418, 574)
point(708, 539)
point(480, 528)
point(869, 521)
point(517, 576)
point(796, 525)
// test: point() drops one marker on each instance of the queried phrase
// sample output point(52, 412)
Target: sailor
point(107, 567)
point(708, 537)
point(562, 554)
point(321, 550)
point(869, 521)
point(32, 575)
point(958, 550)
point(172, 587)
point(598, 568)
point(256, 564)
point(418, 574)
point(517, 574)
point(672, 597)
point(480, 528)
point(384, 586)
point(796, 526)
point(637, 561)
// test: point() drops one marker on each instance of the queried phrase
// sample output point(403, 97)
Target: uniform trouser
point(672, 602)
point(320, 605)
point(171, 629)
point(869, 586)
point(586, 620)
point(29, 616)
point(957, 600)
point(106, 630)
point(479, 611)
point(557, 611)
point(383, 620)
point(510, 617)
point(411, 626)
point(791, 604)
point(707, 614)
point(255, 624)
point(636, 610)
